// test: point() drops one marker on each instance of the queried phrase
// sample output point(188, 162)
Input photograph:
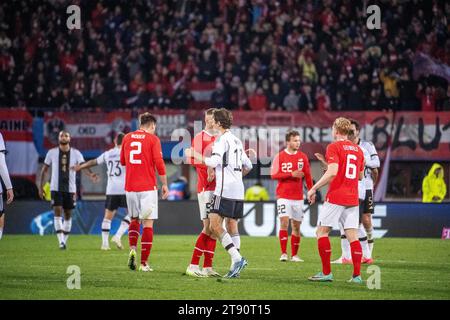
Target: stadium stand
point(298, 56)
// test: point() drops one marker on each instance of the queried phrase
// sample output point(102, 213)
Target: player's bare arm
point(164, 188)
point(375, 173)
point(4, 175)
point(87, 165)
point(322, 160)
point(211, 174)
point(191, 153)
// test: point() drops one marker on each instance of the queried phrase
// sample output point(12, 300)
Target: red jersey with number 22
point(141, 154)
point(343, 189)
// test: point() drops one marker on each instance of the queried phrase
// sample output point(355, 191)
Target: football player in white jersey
point(231, 163)
point(4, 175)
point(115, 191)
point(62, 184)
point(370, 178)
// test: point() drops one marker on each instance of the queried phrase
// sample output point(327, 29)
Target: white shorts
point(334, 215)
point(204, 199)
point(143, 205)
point(290, 208)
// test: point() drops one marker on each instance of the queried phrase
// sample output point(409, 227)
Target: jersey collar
point(286, 150)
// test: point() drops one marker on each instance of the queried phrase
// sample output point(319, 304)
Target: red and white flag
point(17, 130)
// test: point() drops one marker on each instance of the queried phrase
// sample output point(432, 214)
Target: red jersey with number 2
point(343, 188)
point(141, 154)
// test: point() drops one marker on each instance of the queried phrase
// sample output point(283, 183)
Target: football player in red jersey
point(288, 168)
point(345, 168)
point(206, 184)
point(141, 155)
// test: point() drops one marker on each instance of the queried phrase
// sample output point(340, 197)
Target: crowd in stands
point(258, 55)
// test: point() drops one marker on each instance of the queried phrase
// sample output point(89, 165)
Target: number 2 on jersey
point(135, 152)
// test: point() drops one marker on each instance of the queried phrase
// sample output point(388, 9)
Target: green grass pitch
point(32, 267)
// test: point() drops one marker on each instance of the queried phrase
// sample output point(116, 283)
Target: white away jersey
point(4, 174)
point(114, 170)
point(63, 178)
point(371, 162)
point(228, 158)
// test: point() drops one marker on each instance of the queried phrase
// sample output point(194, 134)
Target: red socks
point(133, 233)
point(204, 245)
point(146, 244)
point(295, 243)
point(325, 254)
point(209, 252)
point(200, 246)
point(283, 235)
point(356, 257)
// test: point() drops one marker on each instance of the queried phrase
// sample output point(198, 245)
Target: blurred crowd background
point(260, 55)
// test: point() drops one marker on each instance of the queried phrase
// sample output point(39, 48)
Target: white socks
point(67, 227)
point(370, 239)
point(1, 233)
point(106, 227)
point(57, 221)
point(123, 227)
point(228, 244)
point(236, 238)
point(345, 245)
point(363, 239)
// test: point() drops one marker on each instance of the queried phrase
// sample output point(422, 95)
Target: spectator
point(258, 101)
point(182, 98)
point(291, 43)
point(276, 100)
point(158, 100)
point(434, 188)
point(389, 80)
point(291, 101)
point(354, 101)
point(322, 100)
point(219, 98)
point(427, 97)
point(307, 102)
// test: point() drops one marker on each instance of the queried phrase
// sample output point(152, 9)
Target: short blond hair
point(343, 126)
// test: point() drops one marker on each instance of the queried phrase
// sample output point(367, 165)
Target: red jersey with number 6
point(284, 164)
point(343, 189)
point(141, 155)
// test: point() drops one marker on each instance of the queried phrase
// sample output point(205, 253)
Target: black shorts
point(227, 208)
point(115, 201)
point(367, 205)
point(63, 199)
